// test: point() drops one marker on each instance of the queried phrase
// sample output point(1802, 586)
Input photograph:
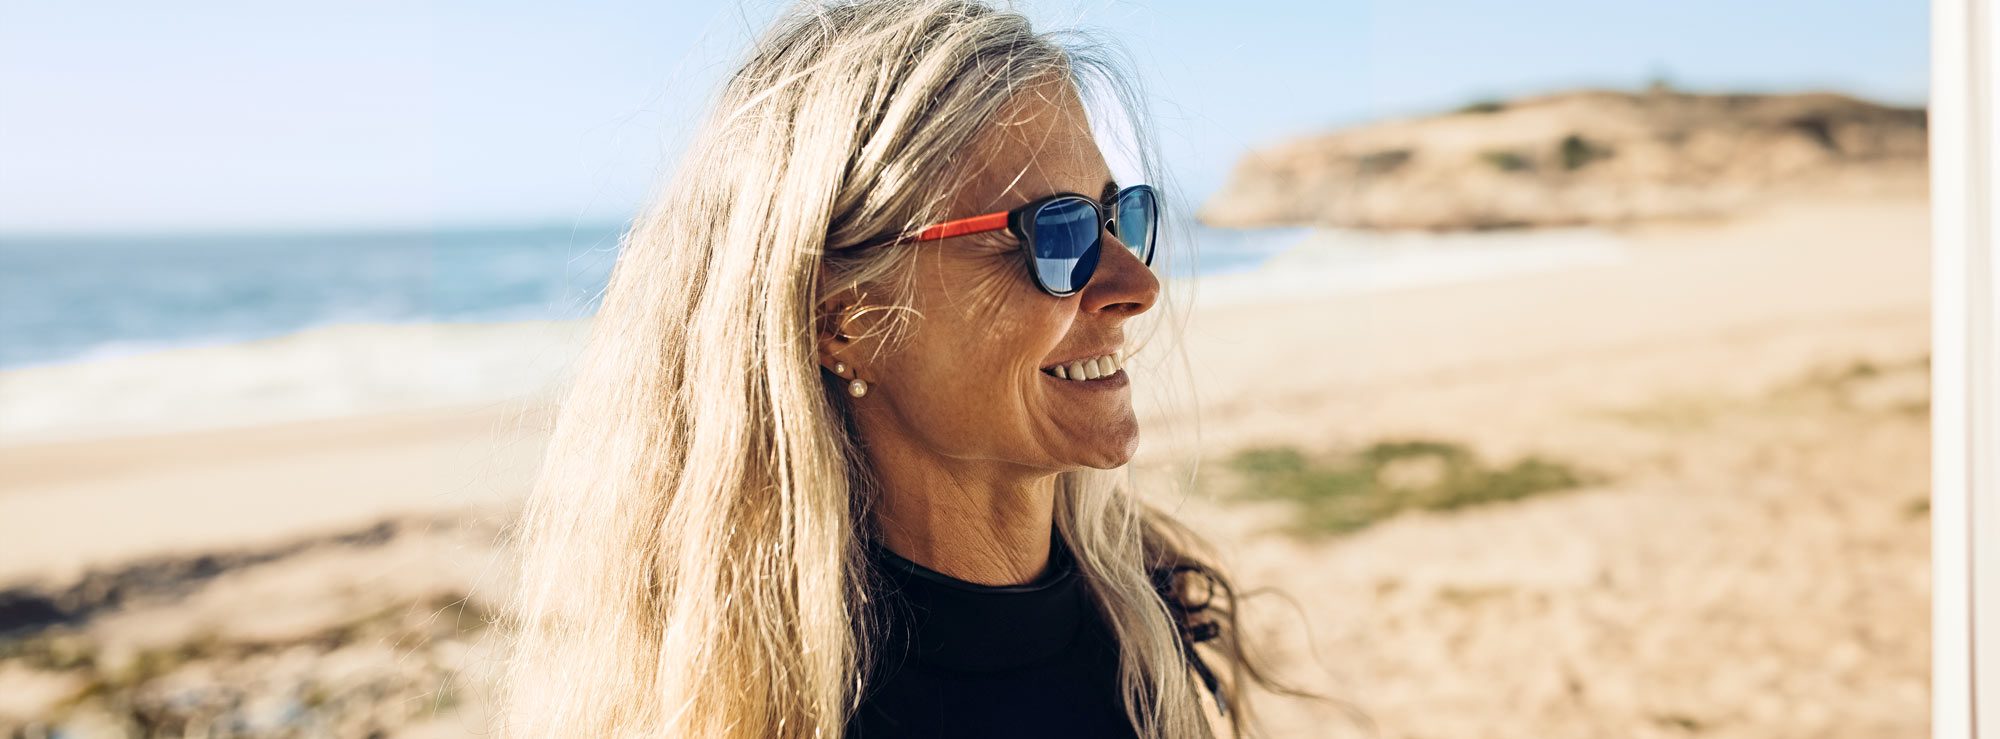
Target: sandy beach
point(1758, 563)
point(1750, 560)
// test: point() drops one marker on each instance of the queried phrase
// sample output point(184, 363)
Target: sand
point(1755, 562)
point(1758, 565)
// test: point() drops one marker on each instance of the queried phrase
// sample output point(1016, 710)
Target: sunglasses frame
point(1019, 222)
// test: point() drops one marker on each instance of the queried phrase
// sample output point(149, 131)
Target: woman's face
point(968, 382)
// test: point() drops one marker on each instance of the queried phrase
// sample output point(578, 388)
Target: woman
point(845, 453)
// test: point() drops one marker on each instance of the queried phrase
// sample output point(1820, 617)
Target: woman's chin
point(1112, 454)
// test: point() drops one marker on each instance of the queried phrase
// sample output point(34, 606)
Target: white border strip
point(1965, 354)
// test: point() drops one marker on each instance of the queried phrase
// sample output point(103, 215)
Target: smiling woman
point(846, 454)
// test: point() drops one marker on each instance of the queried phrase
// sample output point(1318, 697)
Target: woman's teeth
point(1090, 369)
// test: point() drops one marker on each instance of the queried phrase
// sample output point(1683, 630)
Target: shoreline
point(345, 370)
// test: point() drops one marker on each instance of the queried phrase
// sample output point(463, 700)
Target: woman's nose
point(1123, 282)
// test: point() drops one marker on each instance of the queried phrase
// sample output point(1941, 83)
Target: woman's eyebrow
point(1110, 191)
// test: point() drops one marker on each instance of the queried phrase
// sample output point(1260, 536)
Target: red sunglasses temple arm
point(963, 226)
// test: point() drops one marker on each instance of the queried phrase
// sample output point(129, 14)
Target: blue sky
point(122, 115)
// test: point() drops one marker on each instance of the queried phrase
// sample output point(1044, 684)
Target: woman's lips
point(1112, 381)
point(1086, 370)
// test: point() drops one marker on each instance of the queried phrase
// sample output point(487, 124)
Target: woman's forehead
point(1040, 143)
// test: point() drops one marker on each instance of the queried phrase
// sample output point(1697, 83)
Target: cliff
point(1575, 158)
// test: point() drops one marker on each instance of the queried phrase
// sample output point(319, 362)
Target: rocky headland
point(1588, 157)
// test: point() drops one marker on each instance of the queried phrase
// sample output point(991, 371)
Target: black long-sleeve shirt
point(960, 659)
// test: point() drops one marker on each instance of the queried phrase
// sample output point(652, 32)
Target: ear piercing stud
point(858, 387)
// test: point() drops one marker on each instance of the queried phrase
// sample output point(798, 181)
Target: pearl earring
point(840, 368)
point(858, 387)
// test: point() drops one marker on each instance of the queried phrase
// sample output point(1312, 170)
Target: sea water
point(76, 299)
point(81, 298)
point(149, 334)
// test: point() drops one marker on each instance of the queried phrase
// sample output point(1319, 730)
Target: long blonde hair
point(690, 560)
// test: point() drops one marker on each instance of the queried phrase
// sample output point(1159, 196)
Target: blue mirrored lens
point(1066, 241)
point(1137, 219)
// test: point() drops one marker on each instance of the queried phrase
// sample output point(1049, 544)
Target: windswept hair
point(691, 561)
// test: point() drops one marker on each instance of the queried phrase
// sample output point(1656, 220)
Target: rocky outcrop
point(1575, 158)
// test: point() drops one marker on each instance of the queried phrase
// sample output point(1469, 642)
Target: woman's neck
point(980, 522)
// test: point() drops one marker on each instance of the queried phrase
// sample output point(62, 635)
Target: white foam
point(323, 372)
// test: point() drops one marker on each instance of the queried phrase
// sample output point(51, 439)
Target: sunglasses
point(1062, 235)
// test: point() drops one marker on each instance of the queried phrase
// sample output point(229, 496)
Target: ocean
point(110, 336)
point(78, 299)
point(81, 298)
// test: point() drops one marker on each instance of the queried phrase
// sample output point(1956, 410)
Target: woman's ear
point(832, 331)
point(849, 329)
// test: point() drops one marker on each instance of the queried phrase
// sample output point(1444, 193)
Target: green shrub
point(1506, 161)
point(1483, 107)
point(1347, 493)
point(1383, 162)
point(1575, 152)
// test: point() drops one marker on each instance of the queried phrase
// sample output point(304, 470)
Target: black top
point(962, 659)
